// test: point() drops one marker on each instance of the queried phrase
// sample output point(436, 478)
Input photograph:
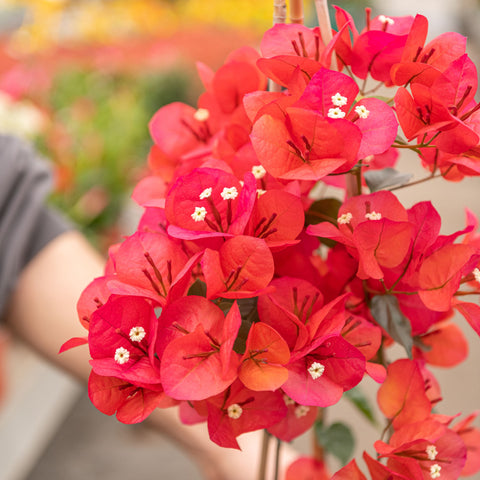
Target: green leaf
point(198, 288)
point(324, 210)
point(248, 308)
point(387, 314)
point(249, 312)
point(240, 344)
point(387, 177)
point(337, 439)
point(419, 343)
point(361, 402)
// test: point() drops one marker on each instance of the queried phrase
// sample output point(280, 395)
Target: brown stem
point(296, 11)
point(353, 183)
point(416, 182)
point(279, 11)
point(263, 458)
point(279, 16)
point(318, 452)
point(277, 459)
point(325, 25)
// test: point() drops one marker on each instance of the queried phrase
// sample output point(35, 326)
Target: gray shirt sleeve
point(26, 223)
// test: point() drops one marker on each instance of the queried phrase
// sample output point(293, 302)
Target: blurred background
point(81, 79)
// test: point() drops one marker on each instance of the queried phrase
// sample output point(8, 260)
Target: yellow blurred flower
point(98, 21)
point(50, 22)
point(256, 14)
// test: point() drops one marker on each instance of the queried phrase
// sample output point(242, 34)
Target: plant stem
point(324, 23)
point(279, 16)
point(296, 11)
point(318, 452)
point(416, 182)
point(353, 181)
point(323, 16)
point(264, 454)
point(279, 11)
point(277, 458)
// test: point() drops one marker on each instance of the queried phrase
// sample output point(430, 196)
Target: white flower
point(476, 274)
point(229, 193)
point(316, 370)
point(301, 411)
point(373, 216)
point(288, 400)
point(122, 355)
point(435, 470)
point(432, 452)
point(258, 171)
point(234, 411)
point(201, 115)
point(338, 100)
point(206, 193)
point(335, 113)
point(361, 111)
point(344, 219)
point(383, 19)
point(137, 334)
point(199, 214)
point(260, 192)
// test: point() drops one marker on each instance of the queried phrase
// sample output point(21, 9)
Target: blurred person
point(45, 263)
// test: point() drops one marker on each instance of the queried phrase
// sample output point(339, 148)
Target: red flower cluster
point(227, 302)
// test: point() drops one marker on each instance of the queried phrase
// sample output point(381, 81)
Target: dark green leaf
point(419, 343)
point(361, 402)
point(249, 313)
point(240, 344)
point(248, 308)
point(336, 439)
point(225, 304)
point(198, 288)
point(324, 210)
point(387, 177)
point(387, 314)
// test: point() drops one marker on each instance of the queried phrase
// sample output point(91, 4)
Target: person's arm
point(42, 309)
point(42, 312)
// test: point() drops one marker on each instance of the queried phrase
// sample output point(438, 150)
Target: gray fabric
point(26, 224)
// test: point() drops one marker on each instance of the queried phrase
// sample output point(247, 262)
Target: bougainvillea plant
point(250, 301)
